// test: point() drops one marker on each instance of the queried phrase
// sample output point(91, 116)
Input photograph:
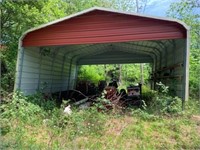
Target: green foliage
point(16, 18)
point(47, 104)
point(148, 95)
point(5, 126)
point(194, 83)
point(79, 5)
point(161, 102)
point(93, 73)
point(167, 104)
point(19, 107)
point(131, 73)
point(144, 115)
point(32, 122)
point(187, 11)
point(192, 106)
point(164, 103)
point(27, 124)
point(102, 101)
point(21, 15)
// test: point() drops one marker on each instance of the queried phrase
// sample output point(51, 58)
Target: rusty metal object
point(111, 92)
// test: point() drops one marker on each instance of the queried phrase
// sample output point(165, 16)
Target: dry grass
point(116, 126)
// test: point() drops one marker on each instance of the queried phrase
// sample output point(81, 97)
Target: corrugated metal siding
point(44, 73)
point(66, 74)
point(115, 57)
point(175, 52)
point(104, 27)
point(58, 71)
point(72, 76)
point(179, 71)
point(28, 72)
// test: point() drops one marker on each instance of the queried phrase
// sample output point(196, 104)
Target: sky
point(158, 7)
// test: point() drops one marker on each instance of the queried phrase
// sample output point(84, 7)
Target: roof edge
point(146, 16)
point(103, 9)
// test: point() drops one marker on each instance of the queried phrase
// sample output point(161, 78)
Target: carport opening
point(97, 77)
point(131, 83)
point(54, 69)
point(115, 81)
point(123, 81)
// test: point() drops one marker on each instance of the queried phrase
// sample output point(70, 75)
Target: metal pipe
point(21, 68)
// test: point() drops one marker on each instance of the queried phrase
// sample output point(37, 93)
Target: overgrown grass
point(36, 123)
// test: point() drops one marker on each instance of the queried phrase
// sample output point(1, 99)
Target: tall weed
point(162, 102)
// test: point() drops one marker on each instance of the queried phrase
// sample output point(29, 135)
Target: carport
point(49, 56)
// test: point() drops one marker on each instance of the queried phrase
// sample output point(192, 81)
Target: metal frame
point(19, 70)
point(186, 68)
point(75, 54)
point(40, 66)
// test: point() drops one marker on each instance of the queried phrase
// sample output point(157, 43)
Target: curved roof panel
point(99, 25)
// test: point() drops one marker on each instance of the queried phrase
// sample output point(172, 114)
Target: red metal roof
point(100, 26)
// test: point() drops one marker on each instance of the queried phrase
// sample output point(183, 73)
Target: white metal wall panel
point(65, 76)
point(175, 56)
point(179, 71)
point(72, 76)
point(180, 49)
point(50, 73)
point(58, 71)
point(45, 73)
point(29, 74)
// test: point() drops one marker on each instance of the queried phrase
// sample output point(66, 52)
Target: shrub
point(19, 107)
point(148, 95)
point(48, 104)
point(161, 102)
point(164, 103)
point(92, 73)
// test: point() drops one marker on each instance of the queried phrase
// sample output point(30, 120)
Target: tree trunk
point(141, 73)
point(120, 74)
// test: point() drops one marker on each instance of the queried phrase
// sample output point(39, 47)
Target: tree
point(18, 16)
point(138, 6)
point(92, 73)
point(188, 12)
point(79, 5)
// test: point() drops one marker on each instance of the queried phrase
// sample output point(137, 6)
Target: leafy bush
point(164, 103)
point(101, 102)
point(19, 107)
point(148, 95)
point(48, 104)
point(5, 126)
point(161, 102)
point(92, 73)
point(27, 124)
point(192, 106)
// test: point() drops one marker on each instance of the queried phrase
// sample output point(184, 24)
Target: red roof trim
point(99, 26)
